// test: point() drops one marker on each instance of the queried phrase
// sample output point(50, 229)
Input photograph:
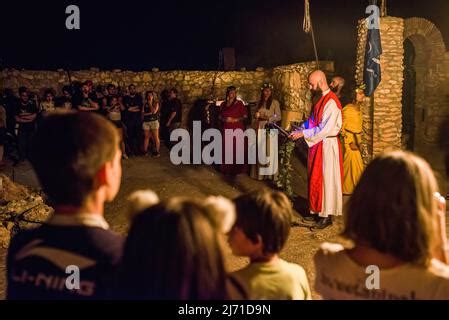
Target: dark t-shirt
point(94, 97)
point(38, 260)
point(80, 100)
point(174, 105)
point(134, 101)
point(151, 117)
point(29, 107)
point(129, 101)
point(64, 102)
point(164, 110)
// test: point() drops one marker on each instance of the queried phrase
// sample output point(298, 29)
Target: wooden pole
point(314, 48)
point(383, 8)
point(308, 28)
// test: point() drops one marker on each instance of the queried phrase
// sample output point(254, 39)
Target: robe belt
point(356, 140)
point(353, 132)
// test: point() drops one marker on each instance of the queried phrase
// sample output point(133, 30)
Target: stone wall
point(382, 125)
point(287, 80)
point(290, 82)
point(292, 89)
point(431, 65)
point(191, 85)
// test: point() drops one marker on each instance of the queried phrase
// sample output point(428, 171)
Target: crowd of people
point(174, 248)
point(144, 119)
point(395, 217)
point(141, 120)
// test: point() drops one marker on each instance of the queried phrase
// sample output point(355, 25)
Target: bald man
point(337, 85)
point(325, 164)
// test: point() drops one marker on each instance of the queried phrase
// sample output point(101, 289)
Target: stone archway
point(430, 72)
point(383, 121)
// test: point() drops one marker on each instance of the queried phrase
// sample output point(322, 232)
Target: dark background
point(140, 35)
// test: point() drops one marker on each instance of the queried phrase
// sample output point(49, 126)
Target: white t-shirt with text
point(338, 277)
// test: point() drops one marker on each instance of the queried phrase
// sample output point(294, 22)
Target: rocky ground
point(20, 208)
point(193, 181)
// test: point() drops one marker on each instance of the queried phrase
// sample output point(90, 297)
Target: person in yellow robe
point(352, 134)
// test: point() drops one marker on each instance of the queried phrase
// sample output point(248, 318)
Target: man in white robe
point(325, 171)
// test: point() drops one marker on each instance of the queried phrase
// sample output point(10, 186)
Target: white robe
point(326, 131)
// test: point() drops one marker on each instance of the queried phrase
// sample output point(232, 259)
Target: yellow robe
point(352, 161)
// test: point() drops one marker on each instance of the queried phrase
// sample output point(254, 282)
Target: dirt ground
point(196, 181)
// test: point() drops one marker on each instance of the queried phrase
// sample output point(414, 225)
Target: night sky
point(140, 35)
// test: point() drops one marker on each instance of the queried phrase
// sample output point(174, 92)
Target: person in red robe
point(325, 160)
point(233, 115)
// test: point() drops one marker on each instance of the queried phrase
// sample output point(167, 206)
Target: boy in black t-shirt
point(73, 256)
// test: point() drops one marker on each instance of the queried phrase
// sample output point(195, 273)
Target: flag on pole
point(372, 70)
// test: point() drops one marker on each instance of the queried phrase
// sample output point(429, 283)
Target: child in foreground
point(260, 232)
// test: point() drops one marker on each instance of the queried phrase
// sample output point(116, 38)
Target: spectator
point(48, 102)
point(175, 112)
point(92, 94)
point(99, 92)
point(133, 105)
point(114, 113)
point(107, 94)
point(77, 161)
point(396, 222)
point(150, 125)
point(65, 101)
point(34, 97)
point(10, 102)
point(99, 98)
point(26, 113)
point(165, 114)
point(111, 91)
point(173, 253)
point(260, 232)
point(84, 101)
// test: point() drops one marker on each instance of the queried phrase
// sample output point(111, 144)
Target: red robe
point(236, 110)
point(315, 159)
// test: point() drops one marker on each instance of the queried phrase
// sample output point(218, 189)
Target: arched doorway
point(426, 60)
point(424, 51)
point(408, 97)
